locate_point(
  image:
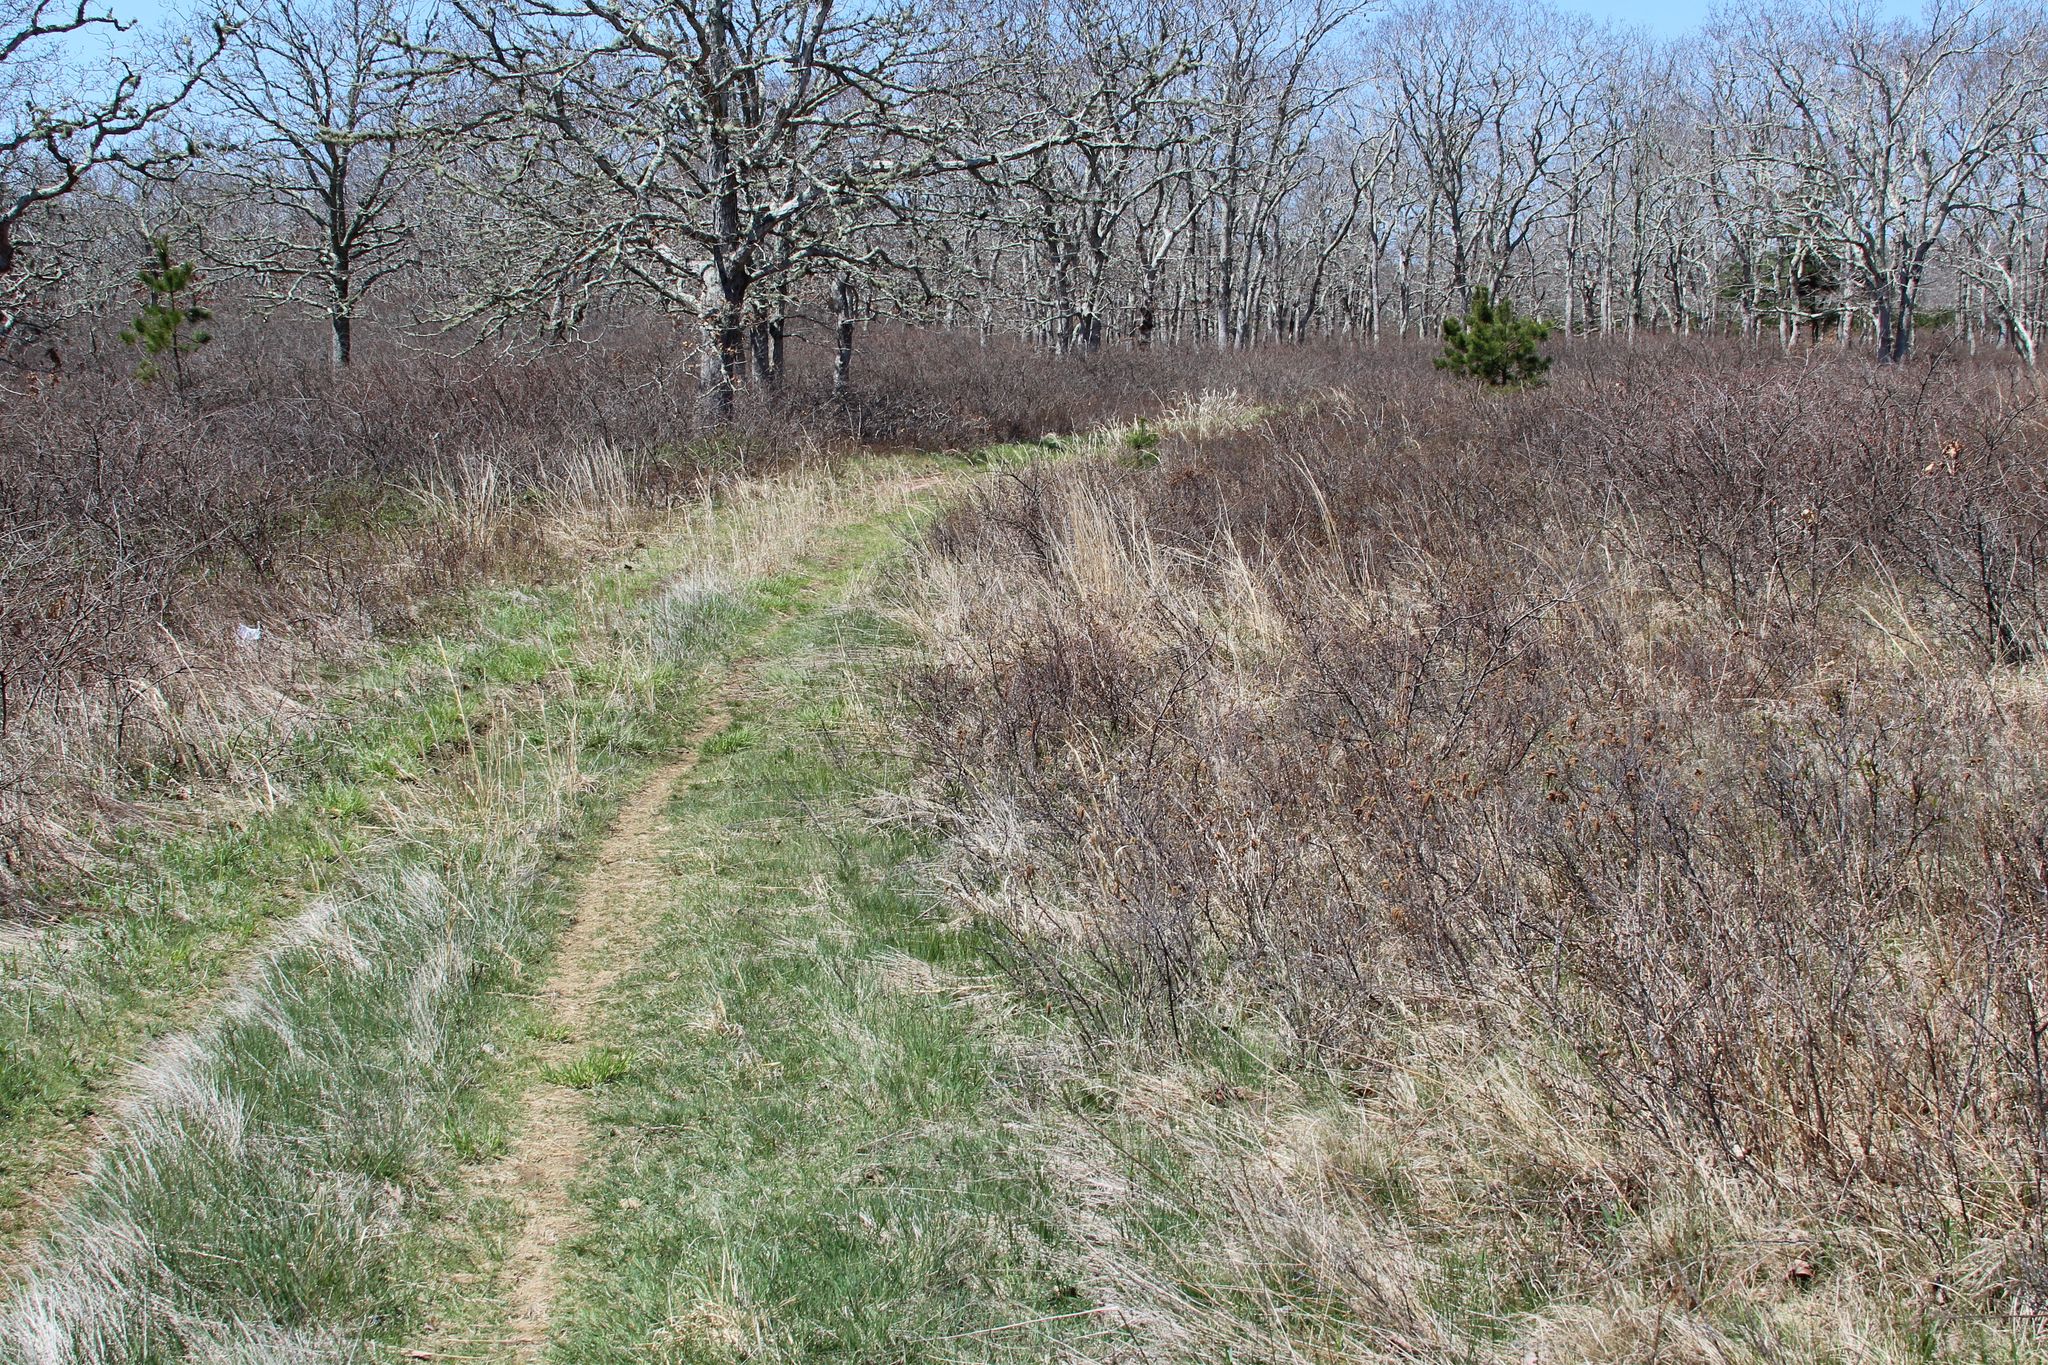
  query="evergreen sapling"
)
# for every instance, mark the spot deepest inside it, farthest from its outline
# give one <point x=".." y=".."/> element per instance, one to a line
<point x="172" y="322"/>
<point x="1492" y="344"/>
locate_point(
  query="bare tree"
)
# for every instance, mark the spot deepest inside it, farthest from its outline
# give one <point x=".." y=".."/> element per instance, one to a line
<point x="57" y="126"/>
<point x="1892" y="129"/>
<point x="321" y="113"/>
<point x="1116" y="73"/>
<point x="1272" y="86"/>
<point x="714" y="154"/>
<point x="2003" y="257"/>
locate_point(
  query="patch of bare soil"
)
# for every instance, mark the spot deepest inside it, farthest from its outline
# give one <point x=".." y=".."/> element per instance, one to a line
<point x="619" y="898"/>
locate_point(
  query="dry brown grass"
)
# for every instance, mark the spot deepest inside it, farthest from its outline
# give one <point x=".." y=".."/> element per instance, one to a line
<point x="140" y="527"/>
<point x="1611" y="817"/>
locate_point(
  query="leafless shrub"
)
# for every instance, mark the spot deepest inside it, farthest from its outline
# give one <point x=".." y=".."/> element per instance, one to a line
<point x="1566" y="720"/>
<point x="140" y="528"/>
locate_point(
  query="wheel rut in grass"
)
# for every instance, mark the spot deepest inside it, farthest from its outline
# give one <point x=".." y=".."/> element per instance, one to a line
<point x="601" y="940"/>
<point x="628" y="670"/>
<point x="250" y="872"/>
<point x="540" y="1264"/>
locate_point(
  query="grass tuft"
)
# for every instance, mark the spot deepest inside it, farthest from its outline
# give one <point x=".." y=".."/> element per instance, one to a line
<point x="588" y="1069"/>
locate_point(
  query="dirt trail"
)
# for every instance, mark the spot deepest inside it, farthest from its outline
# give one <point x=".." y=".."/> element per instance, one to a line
<point x="621" y="898"/>
<point x="599" y="943"/>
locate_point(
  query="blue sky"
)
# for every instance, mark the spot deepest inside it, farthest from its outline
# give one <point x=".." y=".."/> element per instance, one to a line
<point x="1671" y="18"/>
<point x="1667" y="19"/>
<point x="1664" y="18"/>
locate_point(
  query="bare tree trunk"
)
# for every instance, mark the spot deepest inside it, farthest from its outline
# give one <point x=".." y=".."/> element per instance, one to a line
<point x="340" y="322"/>
<point x="721" y="363"/>
<point x="725" y="350"/>
<point x="843" y="303"/>
<point x="761" y="354"/>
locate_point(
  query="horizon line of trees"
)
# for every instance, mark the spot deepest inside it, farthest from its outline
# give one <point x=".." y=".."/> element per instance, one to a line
<point x="1078" y="172"/>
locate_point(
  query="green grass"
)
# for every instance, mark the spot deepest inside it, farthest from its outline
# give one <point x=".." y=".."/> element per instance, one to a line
<point x="270" y="1177"/>
<point x="263" y="1173"/>
<point x="174" y="915"/>
<point x="593" y="1067"/>
<point x="805" y="1161"/>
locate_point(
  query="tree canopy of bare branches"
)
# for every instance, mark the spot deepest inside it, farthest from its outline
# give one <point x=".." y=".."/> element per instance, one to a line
<point x="59" y="125"/>
<point x="1082" y="172"/>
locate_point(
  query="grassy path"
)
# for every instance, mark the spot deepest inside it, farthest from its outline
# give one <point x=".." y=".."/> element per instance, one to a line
<point x="627" y="1030"/>
<point x="602" y="936"/>
<point x="173" y="926"/>
<point x="277" y="1179"/>
<point x="754" y="1117"/>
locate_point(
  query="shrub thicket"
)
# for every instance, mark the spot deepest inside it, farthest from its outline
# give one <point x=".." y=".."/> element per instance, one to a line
<point x="1668" y="742"/>
<point x="141" y="523"/>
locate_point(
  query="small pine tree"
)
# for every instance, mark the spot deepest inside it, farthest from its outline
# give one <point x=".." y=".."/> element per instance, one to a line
<point x="1492" y="344"/>
<point x="171" y="323"/>
<point x="1141" y="446"/>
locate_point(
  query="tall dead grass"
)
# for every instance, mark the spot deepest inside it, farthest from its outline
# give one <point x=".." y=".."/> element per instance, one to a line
<point x="1623" y="802"/>
<point x="145" y="533"/>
